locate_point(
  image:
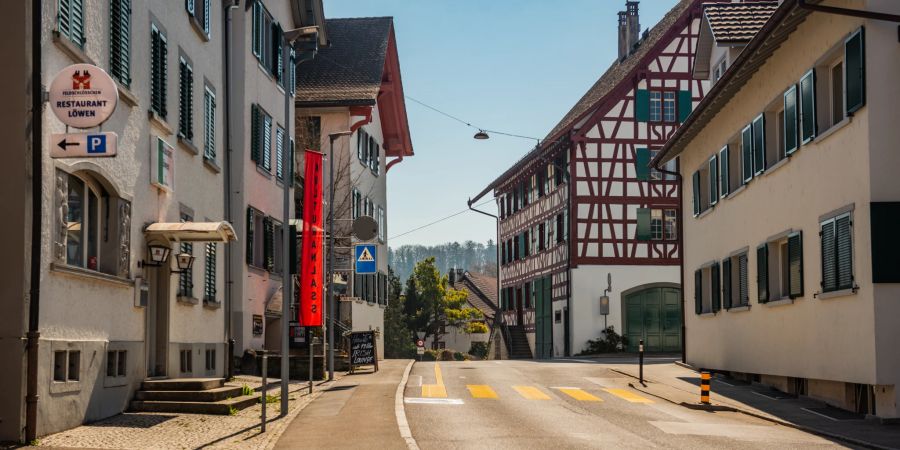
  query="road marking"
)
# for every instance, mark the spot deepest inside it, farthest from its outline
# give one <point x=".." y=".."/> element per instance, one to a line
<point x="434" y="401"/>
<point x="400" y="411"/>
<point x="820" y="414"/>
<point x="436" y="390"/>
<point x="531" y="393"/>
<point x="628" y="395"/>
<point x="579" y="394"/>
<point x="481" y="391"/>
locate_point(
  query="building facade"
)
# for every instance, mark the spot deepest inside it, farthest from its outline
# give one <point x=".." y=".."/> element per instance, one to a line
<point x="789" y="253"/>
<point x="481" y="294"/>
<point x="581" y="216"/>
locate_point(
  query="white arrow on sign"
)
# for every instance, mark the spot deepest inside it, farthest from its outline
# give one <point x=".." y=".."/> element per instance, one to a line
<point x="83" y="145"/>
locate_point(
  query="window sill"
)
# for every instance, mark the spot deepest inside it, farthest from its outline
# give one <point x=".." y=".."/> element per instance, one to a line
<point x="187" y="301"/>
<point x="834" y="128"/>
<point x="112" y="382"/>
<point x="69" y="48"/>
<point x="264" y="172"/>
<point x="211" y="164"/>
<point x="707" y="314"/>
<point x="126" y="95"/>
<point x="186" y="144"/>
<point x="90" y="274"/>
<point x="257" y="269"/>
<point x="275" y="276"/>
<point x="207" y="304"/>
<point x="835" y="294"/>
<point x="777" y="165"/>
<point x="780" y="302"/>
<point x="63" y="387"/>
<point x="160" y="122"/>
<point x="741" y="308"/>
<point x="198" y="27"/>
<point x="737" y="191"/>
<point x="704" y="213"/>
<point x="265" y="70"/>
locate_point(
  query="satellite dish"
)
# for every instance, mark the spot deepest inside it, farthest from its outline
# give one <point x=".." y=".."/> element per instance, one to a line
<point x="365" y="228"/>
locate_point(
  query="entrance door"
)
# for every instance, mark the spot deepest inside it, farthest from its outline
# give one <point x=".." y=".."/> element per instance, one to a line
<point x="654" y="315"/>
<point x="568" y="351"/>
<point x="157" y="322"/>
<point x="520" y="307"/>
<point x="543" y="312"/>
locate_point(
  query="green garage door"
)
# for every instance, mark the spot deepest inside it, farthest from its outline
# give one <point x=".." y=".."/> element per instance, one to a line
<point x="541" y="290"/>
<point x="654" y="315"/>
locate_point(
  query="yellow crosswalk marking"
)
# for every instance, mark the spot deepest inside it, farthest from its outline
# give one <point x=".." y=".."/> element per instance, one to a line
<point x="531" y="393"/>
<point x="628" y="395"/>
<point x="481" y="391"/>
<point x="436" y="390"/>
<point x="579" y="394"/>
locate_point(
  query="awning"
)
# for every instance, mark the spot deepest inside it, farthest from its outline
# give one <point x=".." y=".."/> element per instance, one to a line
<point x="191" y="231"/>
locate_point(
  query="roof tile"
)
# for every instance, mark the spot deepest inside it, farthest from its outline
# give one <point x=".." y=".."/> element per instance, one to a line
<point x="738" y="22"/>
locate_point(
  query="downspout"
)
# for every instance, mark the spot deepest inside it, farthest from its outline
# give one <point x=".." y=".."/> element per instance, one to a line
<point x="499" y="314"/>
<point x="680" y="243"/>
<point x="229" y="276"/>
<point x="34" y="300"/>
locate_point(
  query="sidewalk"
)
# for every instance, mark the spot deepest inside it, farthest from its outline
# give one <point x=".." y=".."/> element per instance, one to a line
<point x="681" y="385"/>
<point x="167" y="430"/>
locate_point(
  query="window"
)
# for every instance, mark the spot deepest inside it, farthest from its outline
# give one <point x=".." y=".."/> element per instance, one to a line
<point x="260" y="240"/>
<point x="713" y="171"/>
<point x="707" y="290"/>
<point x="210" y="359"/>
<point x="656" y="224"/>
<point x="837" y="253"/>
<point x="261" y="138"/>
<point x="362" y="140"/>
<point x="268" y="256"/>
<point x="759" y="144"/>
<point x="279" y="152"/>
<point x="655" y="106"/>
<point x="200" y="11"/>
<point x="789" y="122"/>
<point x="292" y="73"/>
<point x="209" y="124"/>
<point x="747" y="153"/>
<point x="735" y="282"/>
<point x="185" y="361"/>
<point x="120" y="41"/>
<point x="780" y="268"/>
<point x="557" y="316"/>
<point x="60" y="365"/>
<point x="724" y="172"/>
<point x="719" y="70"/>
<point x="186" y="278"/>
<point x="375" y="160"/>
<point x="382" y="232"/>
<point x="158" y="70"/>
<point x="855" y="72"/>
<point x="670" y="224"/>
<point x="116" y="363"/>
<point x="267" y="41"/>
<point x="668" y="106"/>
<point x="356" y="203"/>
<point x="807" y="107"/>
<point x="662" y="106"/>
<point x="277" y="250"/>
<point x="836" y="79"/>
<point x="669" y="166"/>
<point x="209" y="278"/>
<point x="185" y="100"/>
<point x="70" y="20"/>
<point x="370" y="150"/>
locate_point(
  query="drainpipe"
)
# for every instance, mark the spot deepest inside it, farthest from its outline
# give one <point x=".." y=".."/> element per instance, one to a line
<point x="680" y="243"/>
<point x="229" y="276"/>
<point x="499" y="312"/>
<point x="34" y="301"/>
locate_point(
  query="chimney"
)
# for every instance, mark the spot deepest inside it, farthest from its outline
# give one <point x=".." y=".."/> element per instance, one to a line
<point x="623" y="35"/>
<point x="629" y="29"/>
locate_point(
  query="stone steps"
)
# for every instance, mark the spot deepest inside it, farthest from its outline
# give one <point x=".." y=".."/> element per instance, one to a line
<point x="208" y="395"/>
<point x="183" y="384"/>
<point x="221" y="407"/>
<point x="191" y="396"/>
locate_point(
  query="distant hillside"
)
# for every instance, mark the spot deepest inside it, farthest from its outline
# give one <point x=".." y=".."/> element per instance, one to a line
<point x="470" y="255"/>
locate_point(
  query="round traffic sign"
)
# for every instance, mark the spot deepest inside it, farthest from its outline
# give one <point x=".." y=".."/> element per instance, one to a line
<point x="420" y="343"/>
<point x="83" y="96"/>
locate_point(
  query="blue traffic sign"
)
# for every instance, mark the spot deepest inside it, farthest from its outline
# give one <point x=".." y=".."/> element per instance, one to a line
<point x="96" y="143"/>
<point x="366" y="261"/>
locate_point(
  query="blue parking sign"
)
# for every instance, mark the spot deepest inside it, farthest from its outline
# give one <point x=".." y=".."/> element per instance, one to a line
<point x="366" y="261"/>
<point x="96" y="143"/>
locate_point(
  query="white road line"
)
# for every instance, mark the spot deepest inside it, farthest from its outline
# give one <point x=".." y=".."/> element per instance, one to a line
<point x="726" y="384"/>
<point x="563" y="387"/>
<point x="434" y="401"/>
<point x="820" y="414"/>
<point x="400" y="411"/>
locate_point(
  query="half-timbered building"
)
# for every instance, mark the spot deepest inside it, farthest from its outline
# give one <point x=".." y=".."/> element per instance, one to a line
<point x="587" y="231"/>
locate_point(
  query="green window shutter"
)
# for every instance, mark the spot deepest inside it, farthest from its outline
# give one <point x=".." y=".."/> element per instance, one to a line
<point x="523" y="250"/>
<point x="696" y="193"/>
<point x="685" y="105"/>
<point x="120" y="41"/>
<point x="698" y="291"/>
<point x="155" y="70"/>
<point x="724" y="172"/>
<point x="829" y="259"/>
<point x="257" y="29"/>
<point x="759" y="144"/>
<point x="726" y="283"/>
<point x="267" y="142"/>
<point x="190" y="7"/>
<point x="163" y="75"/>
<point x="715" y="293"/>
<point x="855" y="71"/>
<point x="641" y="164"/>
<point x="808" y="107"/>
<point x="76" y="22"/>
<point x="762" y="273"/>
<point x="291" y="161"/>
<point x="713" y="180"/>
<point x="279" y="153"/>
<point x="747" y="153"/>
<point x="642" y="105"/>
<point x="795" y="265"/>
<point x="207" y="12"/>
<point x="277" y="50"/>
<point x="643" y="224"/>
<point x="844" y="251"/>
<point x="269" y="244"/>
<point x="64" y="18"/>
<point x="790" y="121"/>
<point x="185" y="100"/>
<point x="254" y="133"/>
<point x="743" y="281"/>
<point x="209" y="124"/>
<point x="209" y="279"/>
<point x="251" y="221"/>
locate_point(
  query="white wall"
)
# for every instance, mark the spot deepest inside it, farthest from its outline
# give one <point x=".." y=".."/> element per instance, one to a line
<point x="369" y="316"/>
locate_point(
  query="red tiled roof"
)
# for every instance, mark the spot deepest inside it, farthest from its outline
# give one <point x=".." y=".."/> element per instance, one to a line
<point x="738" y="22"/>
<point x="482" y="290"/>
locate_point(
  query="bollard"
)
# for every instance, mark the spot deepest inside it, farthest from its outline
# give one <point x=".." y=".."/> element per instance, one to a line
<point x="641" y="359"/>
<point x="265" y="361"/>
<point x="312" y="346"/>
<point x="704" y="387"/>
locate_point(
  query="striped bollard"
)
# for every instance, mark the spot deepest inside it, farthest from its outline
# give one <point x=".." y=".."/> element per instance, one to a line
<point x="704" y="387"/>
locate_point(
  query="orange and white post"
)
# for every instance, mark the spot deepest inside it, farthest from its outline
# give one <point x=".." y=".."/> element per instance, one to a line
<point x="704" y="387"/>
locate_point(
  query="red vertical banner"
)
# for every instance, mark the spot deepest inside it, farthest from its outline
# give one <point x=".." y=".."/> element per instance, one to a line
<point x="311" y="276"/>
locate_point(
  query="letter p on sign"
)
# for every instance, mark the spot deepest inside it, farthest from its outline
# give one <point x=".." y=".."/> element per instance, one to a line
<point x="96" y="143"/>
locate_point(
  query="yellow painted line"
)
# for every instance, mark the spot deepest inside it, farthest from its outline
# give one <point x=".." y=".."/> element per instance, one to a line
<point x="531" y="393"/>
<point x="436" y="390"/>
<point x="579" y="394"/>
<point x="628" y="395"/>
<point x="481" y="391"/>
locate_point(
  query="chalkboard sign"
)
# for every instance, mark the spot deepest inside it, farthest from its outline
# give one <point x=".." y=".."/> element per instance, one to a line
<point x="363" y="350"/>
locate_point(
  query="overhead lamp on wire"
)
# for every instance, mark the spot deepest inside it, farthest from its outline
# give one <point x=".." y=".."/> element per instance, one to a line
<point x="481" y="135"/>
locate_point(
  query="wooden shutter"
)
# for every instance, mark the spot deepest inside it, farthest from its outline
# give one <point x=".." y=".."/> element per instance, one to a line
<point x="641" y="164"/>
<point x="120" y="40"/>
<point x="726" y="282"/>
<point x="209" y="279"/>
<point x="254" y="133"/>
<point x="696" y="193"/>
<point x="207" y="12"/>
<point x="685" y="105"/>
<point x="844" y="250"/>
<point x="184" y="99"/>
<point x="808" y="106"/>
<point x="698" y="291"/>
<point x="829" y="259"/>
<point x="163" y="75"/>
<point x="855" y="71"/>
<point x="251" y="230"/>
<point x="762" y="273"/>
<point x="279" y="153"/>
<point x="190" y="7"/>
<point x="209" y="124"/>
<point x="790" y="121"/>
<point x="743" y="281"/>
<point x="268" y="244"/>
<point x="713" y="181"/>
<point x="155" y="74"/>
<point x="714" y="294"/>
<point x="642" y="105"/>
<point x="266" y="142"/>
<point x="747" y="153"/>
<point x="795" y="265"/>
<point x="643" y="224"/>
<point x="277" y="67"/>
<point x="759" y="144"/>
<point x="257" y="29"/>
<point x="724" y="173"/>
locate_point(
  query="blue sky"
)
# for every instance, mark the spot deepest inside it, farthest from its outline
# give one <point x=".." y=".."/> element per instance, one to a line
<point x="515" y="66"/>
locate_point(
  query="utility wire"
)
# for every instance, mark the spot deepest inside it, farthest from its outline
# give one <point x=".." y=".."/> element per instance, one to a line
<point x="468" y="124"/>
<point x="440" y="220"/>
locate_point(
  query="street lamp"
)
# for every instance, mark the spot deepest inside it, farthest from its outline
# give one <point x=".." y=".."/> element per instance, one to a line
<point x="331" y="306"/>
<point x="184" y="261"/>
<point x="158" y="254"/>
<point x="481" y="135"/>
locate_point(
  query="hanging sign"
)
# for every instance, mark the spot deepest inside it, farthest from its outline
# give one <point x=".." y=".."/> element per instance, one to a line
<point x="83" y="96"/>
<point x="311" y="277"/>
<point x="162" y="164"/>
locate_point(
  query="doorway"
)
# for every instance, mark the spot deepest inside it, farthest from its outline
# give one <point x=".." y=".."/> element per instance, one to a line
<point x="158" y="322"/>
<point x="654" y="315"/>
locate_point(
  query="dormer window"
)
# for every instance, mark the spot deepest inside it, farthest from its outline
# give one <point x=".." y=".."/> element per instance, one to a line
<point x="719" y="70"/>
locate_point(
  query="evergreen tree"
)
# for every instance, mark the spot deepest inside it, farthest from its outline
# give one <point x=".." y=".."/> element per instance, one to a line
<point x="398" y="339"/>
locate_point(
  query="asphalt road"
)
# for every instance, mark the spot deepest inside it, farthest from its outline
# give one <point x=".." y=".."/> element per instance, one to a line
<point x="567" y="404"/>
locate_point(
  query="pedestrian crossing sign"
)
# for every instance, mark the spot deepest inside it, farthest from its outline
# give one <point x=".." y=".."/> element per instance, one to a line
<point x="366" y="263"/>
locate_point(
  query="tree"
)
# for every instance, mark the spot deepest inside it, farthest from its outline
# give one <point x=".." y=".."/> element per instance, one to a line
<point x="398" y="339"/>
<point x="432" y="305"/>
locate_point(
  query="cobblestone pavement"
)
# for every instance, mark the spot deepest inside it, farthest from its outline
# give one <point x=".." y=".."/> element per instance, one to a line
<point x="183" y="431"/>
